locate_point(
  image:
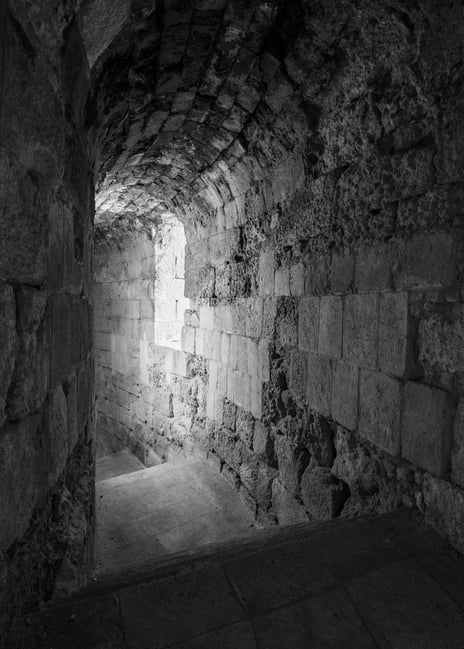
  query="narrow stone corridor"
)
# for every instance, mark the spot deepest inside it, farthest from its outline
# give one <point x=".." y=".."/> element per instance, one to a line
<point x="232" y="285"/>
<point x="148" y="513"/>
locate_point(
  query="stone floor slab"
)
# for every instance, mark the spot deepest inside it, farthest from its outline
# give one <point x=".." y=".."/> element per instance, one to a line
<point x="328" y="621"/>
<point x="280" y="574"/>
<point x="236" y="636"/>
<point x="160" y="614"/>
<point x="356" y="547"/>
<point x="404" y="608"/>
<point x="88" y="624"/>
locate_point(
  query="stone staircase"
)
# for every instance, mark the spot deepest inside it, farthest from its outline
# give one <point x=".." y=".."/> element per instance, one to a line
<point x="148" y="513"/>
<point x="381" y="582"/>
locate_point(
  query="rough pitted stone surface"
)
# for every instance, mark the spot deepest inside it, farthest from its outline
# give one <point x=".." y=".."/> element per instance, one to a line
<point x="46" y="393"/>
<point x="9" y="343"/>
<point x="311" y="153"/>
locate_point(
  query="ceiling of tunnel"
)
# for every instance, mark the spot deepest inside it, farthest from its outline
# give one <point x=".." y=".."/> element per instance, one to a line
<point x="173" y="95"/>
<point x="195" y="101"/>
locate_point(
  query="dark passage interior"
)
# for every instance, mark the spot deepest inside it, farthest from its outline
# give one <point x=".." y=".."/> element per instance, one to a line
<point x="231" y="281"/>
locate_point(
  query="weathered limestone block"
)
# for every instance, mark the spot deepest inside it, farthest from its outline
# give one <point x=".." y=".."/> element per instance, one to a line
<point x="282" y="281"/>
<point x="298" y="375"/>
<point x="176" y="362"/>
<point x="354" y="465"/>
<point x="24" y="482"/>
<point x="441" y="342"/>
<point x="183" y="413"/>
<point x="394" y="344"/>
<point x="244" y="424"/>
<point x="308" y="324"/>
<point x="242" y="353"/>
<point x="374" y="267"/>
<point x="162" y="400"/>
<point x="221" y="383"/>
<point x="315" y="434"/>
<point x="229" y="448"/>
<point x="322" y="493"/>
<point x="258" y="477"/>
<point x="457" y="455"/>
<point x="269" y="316"/>
<point x="57" y="434"/>
<point x="421" y="264"/>
<point x="449" y="159"/>
<point x="445" y="509"/>
<point x="207" y="317"/>
<point x="254" y="317"/>
<point x="72" y="411"/>
<point x="297" y="279"/>
<point x="317" y="276"/>
<point x="224" y="246"/>
<point x="345" y="380"/>
<point x="256" y="397"/>
<point x="61" y="338"/>
<point x="84" y="398"/>
<point x="263" y="444"/>
<point x="264" y="363"/>
<point x="360" y="329"/>
<point x="24" y="225"/>
<point x="292" y="461"/>
<point x="287" y="322"/>
<point x="286" y="507"/>
<point x="266" y="273"/>
<point x="427" y="427"/>
<point x="9" y="344"/>
<point x="330" y="326"/>
<point x="319" y="384"/>
<point x="252" y="357"/>
<point x="379" y="410"/>
<point x="341" y="272"/>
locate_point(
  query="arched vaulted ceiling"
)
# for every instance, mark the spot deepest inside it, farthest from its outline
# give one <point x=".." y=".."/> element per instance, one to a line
<point x="200" y="105"/>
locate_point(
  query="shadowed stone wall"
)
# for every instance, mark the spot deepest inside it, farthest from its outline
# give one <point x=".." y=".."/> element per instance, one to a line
<point x="46" y="196"/>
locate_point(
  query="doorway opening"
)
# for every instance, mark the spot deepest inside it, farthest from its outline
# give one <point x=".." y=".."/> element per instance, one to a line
<point x="156" y="495"/>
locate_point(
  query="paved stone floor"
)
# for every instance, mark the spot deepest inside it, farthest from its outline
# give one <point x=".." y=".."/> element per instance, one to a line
<point x="384" y="583"/>
<point x="149" y="513"/>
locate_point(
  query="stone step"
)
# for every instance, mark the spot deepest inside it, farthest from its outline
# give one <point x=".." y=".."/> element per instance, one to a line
<point x="148" y="514"/>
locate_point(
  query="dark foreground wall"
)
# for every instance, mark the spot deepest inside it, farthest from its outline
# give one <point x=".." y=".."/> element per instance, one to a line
<point x="322" y="366"/>
<point x="46" y="196"/>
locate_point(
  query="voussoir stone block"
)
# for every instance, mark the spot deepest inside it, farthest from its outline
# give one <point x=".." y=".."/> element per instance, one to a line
<point x="379" y="410"/>
<point x="427" y="427"/>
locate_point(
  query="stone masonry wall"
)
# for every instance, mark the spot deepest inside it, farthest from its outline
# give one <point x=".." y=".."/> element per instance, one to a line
<point x="46" y="426"/>
<point x="124" y="331"/>
<point x="328" y="290"/>
<point x="317" y="170"/>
